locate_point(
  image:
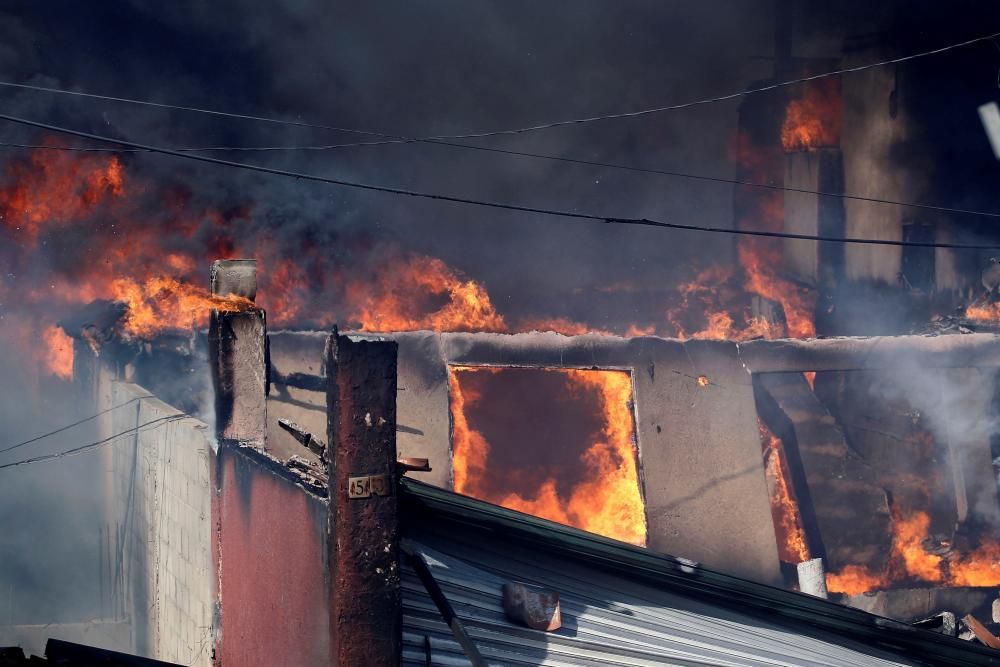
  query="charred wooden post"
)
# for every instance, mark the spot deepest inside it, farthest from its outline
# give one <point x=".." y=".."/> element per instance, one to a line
<point x="236" y="342"/>
<point x="366" y="605"/>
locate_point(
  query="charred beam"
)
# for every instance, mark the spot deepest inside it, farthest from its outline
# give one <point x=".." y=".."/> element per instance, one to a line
<point x="366" y="603"/>
<point x="304" y="437"/>
<point x="299" y="380"/>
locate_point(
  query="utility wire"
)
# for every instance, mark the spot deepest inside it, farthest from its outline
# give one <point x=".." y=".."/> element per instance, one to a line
<point x="69" y="426"/>
<point x="591" y="163"/>
<point x="90" y="446"/>
<point x="479" y="202"/>
<point x="442" y="139"/>
<point x="520" y="130"/>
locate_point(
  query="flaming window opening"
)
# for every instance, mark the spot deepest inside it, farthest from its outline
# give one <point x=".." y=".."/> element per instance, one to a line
<point x="813" y="120"/>
<point x="926" y="543"/>
<point x="556" y="443"/>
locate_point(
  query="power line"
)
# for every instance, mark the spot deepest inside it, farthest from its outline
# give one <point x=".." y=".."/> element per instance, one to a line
<point x="520" y="130"/>
<point x="69" y="426"/>
<point x="591" y="163"/>
<point x="485" y="203"/>
<point x="90" y="446"/>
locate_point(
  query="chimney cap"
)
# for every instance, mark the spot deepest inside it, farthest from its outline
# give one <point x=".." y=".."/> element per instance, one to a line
<point x="235" y="277"/>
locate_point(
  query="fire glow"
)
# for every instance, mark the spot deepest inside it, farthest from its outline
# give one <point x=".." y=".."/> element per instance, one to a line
<point x="590" y="485"/>
<point x="791" y="536"/>
<point x="154" y="267"/>
<point x="911" y="561"/>
<point x="59" y="361"/>
<point x="813" y="120"/>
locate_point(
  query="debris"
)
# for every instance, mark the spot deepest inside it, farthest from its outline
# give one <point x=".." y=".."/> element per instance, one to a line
<point x="944" y="623"/>
<point x="535" y="608"/>
<point x="981" y="632"/>
<point x="310" y="471"/>
<point x="405" y="464"/>
<point x="687" y="565"/>
<point x="304" y="437"/>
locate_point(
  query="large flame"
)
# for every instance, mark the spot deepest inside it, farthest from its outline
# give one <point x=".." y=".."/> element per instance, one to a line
<point x="985" y="312"/>
<point x="56" y="189"/>
<point x="423" y="293"/>
<point x="152" y="259"/>
<point x="608" y="502"/>
<point x="910" y="560"/>
<point x="159" y="303"/>
<point x="813" y="120"/>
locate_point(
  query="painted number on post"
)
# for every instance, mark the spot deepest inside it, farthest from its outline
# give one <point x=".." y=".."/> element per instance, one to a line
<point x="368" y="485"/>
<point x="359" y="487"/>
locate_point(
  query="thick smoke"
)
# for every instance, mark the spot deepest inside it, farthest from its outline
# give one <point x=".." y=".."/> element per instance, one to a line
<point x="400" y="67"/>
<point x="957" y="406"/>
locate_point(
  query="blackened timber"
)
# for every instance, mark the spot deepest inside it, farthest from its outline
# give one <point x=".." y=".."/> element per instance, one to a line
<point x="366" y="603"/>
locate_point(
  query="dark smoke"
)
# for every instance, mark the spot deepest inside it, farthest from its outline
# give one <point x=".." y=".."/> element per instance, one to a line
<point x="416" y="69"/>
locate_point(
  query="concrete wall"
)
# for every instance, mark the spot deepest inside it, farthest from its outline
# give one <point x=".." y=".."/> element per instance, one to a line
<point x="704" y="486"/>
<point x="273" y="571"/>
<point x="162" y="579"/>
<point x="703" y="477"/>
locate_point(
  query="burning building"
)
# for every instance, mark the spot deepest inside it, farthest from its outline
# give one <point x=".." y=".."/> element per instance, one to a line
<point x="738" y="418"/>
<point x="347" y="467"/>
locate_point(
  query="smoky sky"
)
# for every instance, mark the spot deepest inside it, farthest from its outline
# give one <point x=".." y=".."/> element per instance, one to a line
<point x="426" y="68"/>
<point x="431" y="68"/>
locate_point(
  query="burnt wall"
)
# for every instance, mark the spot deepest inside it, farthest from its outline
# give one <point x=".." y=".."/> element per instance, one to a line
<point x="700" y="454"/>
<point x="699" y="450"/>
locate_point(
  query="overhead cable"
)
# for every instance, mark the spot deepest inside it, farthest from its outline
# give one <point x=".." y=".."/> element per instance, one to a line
<point x="92" y="445"/>
<point x="591" y="163"/>
<point x="485" y="203"/>
<point x="69" y="426"/>
<point x="530" y="128"/>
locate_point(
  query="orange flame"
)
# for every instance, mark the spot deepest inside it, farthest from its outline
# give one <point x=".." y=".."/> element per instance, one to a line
<point x="759" y="260"/>
<point x="423" y="293"/>
<point x="54" y="188"/>
<point x="160" y="303"/>
<point x="813" y="121"/>
<point x="791" y="536"/>
<point x="608" y="502"/>
<point x="810" y="377"/>
<point x="59" y="360"/>
<point x="910" y="560"/>
<point x="711" y="294"/>
<point x="980" y="568"/>
<point x="854" y="580"/>
<point x="987" y="313"/>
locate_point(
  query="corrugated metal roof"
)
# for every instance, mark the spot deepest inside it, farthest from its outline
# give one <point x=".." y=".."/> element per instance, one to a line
<point x="625" y="606"/>
<point x="602" y="623"/>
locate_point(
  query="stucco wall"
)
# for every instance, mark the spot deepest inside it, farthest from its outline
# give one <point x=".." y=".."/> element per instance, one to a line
<point x="273" y="579"/>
